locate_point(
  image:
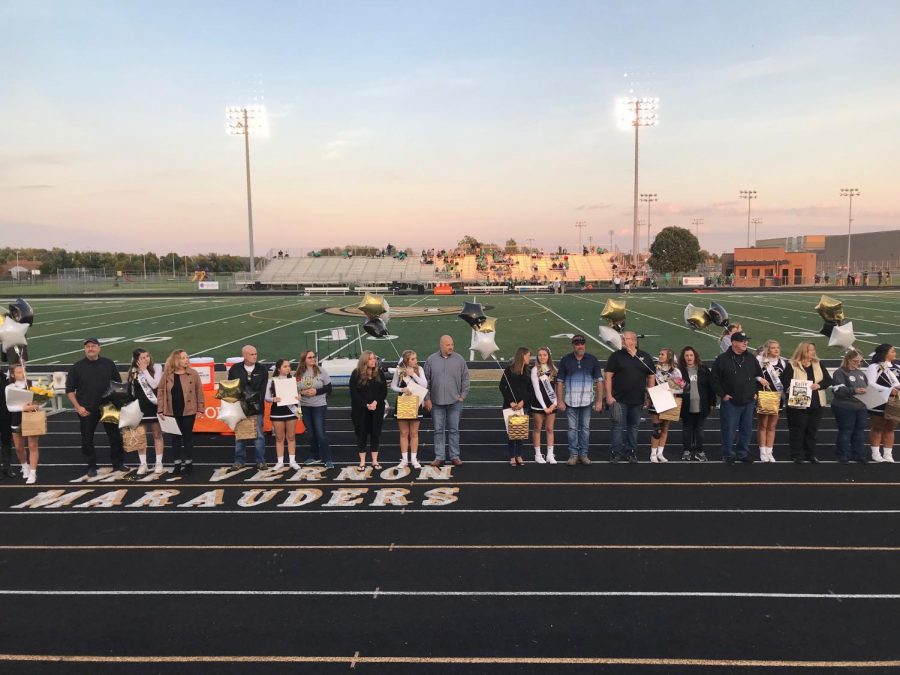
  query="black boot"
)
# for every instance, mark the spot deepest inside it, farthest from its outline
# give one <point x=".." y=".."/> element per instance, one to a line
<point x="7" y="471"/>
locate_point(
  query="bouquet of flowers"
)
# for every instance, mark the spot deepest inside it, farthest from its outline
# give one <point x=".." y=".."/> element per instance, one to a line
<point x="41" y="393"/>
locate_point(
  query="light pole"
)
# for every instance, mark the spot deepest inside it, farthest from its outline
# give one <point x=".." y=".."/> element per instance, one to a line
<point x="648" y="198"/>
<point x="749" y="195"/>
<point x="581" y="224"/>
<point x="637" y="113"/>
<point x="144" y="256"/>
<point x="244" y="121"/>
<point x="612" y="233"/>
<point x="697" y="222"/>
<point x="756" y="223"/>
<point x="849" y="192"/>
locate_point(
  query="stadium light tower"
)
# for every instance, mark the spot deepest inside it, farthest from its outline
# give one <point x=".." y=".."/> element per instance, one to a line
<point x="697" y="222"/>
<point x="756" y="223"/>
<point x="581" y="224"/>
<point x="849" y="192"/>
<point x="648" y="198"/>
<point x="749" y="195"/>
<point x="246" y="121"/>
<point x="637" y="112"/>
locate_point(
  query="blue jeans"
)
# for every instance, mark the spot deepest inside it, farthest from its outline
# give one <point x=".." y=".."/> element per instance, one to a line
<point x="314" y="419"/>
<point x="259" y="443"/>
<point x="624" y="422"/>
<point x="446" y="429"/>
<point x="579" y="418"/>
<point x="514" y="448"/>
<point x="738" y="419"/>
<point x="851" y="435"/>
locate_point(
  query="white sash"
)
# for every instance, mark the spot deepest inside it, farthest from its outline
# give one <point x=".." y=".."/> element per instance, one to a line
<point x="547" y="389"/>
<point x="776" y="380"/>
<point x="145" y="386"/>
<point x="890" y="375"/>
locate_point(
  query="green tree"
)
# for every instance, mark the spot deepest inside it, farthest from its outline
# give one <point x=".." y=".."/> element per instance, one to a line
<point x="675" y="249"/>
<point x="512" y="246"/>
<point x="469" y="244"/>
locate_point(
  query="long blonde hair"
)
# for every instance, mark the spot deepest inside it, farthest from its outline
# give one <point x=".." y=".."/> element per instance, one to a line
<point x="518" y="362"/>
<point x="404" y="360"/>
<point x="550" y="367"/>
<point x="800" y="353"/>
<point x="764" y="350"/>
<point x="362" y="368"/>
<point x="171" y="364"/>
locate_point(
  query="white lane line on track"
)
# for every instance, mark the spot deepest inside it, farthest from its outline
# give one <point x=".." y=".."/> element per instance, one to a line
<point x="448" y="593"/>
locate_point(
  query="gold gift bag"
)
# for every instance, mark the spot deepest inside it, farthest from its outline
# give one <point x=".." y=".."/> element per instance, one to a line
<point x="34" y="423"/>
<point x="134" y="440"/>
<point x="517" y="427"/>
<point x="768" y="402"/>
<point x="673" y="414"/>
<point x="407" y="407"/>
<point x="245" y="430"/>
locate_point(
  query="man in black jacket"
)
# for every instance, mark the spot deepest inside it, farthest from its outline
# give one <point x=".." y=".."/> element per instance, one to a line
<point x="736" y="377"/>
<point x="254" y="378"/>
<point x="86" y="383"/>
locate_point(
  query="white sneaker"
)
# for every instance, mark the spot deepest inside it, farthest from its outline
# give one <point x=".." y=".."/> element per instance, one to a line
<point x="159" y="468"/>
<point x="771" y="455"/>
<point x="279" y="466"/>
<point x="550" y="458"/>
<point x="143" y="470"/>
<point x="889" y="455"/>
<point x="32" y="478"/>
<point x="415" y="462"/>
<point x="403" y="461"/>
<point x="26" y="471"/>
<point x="653" y="455"/>
<point x="876" y="455"/>
<point x="539" y="458"/>
<point x="660" y="457"/>
<point x="294" y="466"/>
<point x="763" y="455"/>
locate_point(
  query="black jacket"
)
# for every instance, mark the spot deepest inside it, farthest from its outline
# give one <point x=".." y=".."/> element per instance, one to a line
<point x="736" y="376"/>
<point x="254" y="384"/>
<point x="4" y="411"/>
<point x="516" y="388"/>
<point x="704" y="387"/>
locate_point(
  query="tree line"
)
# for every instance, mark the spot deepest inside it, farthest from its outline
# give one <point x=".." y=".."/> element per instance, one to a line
<point x="56" y="259"/>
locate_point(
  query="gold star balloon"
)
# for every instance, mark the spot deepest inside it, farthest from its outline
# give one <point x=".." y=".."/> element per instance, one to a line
<point x="613" y="311"/>
<point x="489" y="325"/>
<point x="229" y="390"/>
<point x="696" y="318"/>
<point x="109" y="414"/>
<point x="830" y="309"/>
<point x="373" y="306"/>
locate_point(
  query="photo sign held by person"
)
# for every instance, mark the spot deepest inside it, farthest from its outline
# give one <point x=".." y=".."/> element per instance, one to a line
<point x="800" y="394"/>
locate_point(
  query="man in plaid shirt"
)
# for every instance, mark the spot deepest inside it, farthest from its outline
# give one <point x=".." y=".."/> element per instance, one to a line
<point x="579" y="373"/>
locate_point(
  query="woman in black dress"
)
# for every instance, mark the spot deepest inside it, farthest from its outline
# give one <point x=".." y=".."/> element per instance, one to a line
<point x="368" y="392"/>
<point x="515" y="385"/>
<point x="144" y="377"/>
<point x="803" y="423"/>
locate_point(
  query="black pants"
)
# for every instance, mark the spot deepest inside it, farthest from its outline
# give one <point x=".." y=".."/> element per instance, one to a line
<point x="367" y="426"/>
<point x="183" y="446"/>
<point x="803" y="425"/>
<point x="5" y="441"/>
<point x="88" y="427"/>
<point x="692" y="431"/>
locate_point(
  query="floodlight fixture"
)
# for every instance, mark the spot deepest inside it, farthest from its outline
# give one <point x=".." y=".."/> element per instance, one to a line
<point x="648" y="198"/>
<point x="636" y="112"/>
<point x="851" y="193"/>
<point x="749" y="195"/>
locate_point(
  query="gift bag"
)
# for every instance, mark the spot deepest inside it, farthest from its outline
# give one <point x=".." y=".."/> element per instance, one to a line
<point x="517" y="427"/>
<point x="134" y="440"/>
<point x="672" y="414"/>
<point x="34" y="423"/>
<point x="891" y="410"/>
<point x="407" y="407"/>
<point x="245" y="430"/>
<point x="768" y="402"/>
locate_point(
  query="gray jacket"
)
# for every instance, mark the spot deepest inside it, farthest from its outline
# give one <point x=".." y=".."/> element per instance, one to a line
<point x="843" y="383"/>
<point x="448" y="378"/>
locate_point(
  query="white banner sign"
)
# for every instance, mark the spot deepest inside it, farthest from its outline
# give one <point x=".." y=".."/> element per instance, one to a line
<point x="208" y="285"/>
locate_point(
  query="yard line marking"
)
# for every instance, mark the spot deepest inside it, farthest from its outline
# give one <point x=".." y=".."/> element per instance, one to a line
<point x="358" y="658"/>
<point x="562" y="318"/>
<point x="442" y="547"/>
<point x="448" y="593"/>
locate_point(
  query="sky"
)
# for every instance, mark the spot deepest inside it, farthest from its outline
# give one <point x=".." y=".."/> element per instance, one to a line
<point x="420" y="122"/>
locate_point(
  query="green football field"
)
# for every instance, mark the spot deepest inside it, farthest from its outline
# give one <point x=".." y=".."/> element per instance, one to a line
<point x="280" y="326"/>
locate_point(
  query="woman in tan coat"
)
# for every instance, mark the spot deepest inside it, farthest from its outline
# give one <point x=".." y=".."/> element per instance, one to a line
<point x="180" y="396"/>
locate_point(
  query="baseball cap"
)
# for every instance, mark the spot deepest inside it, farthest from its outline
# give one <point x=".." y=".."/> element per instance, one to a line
<point x="92" y="340"/>
<point x="739" y="337"/>
<point x="578" y="338"/>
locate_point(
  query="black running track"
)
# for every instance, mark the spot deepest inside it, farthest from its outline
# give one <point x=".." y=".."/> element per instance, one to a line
<point x="542" y="569"/>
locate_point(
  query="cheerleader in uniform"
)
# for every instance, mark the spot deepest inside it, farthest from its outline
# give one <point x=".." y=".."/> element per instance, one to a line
<point x="666" y="373"/>
<point x="284" y="417"/>
<point x="28" y="460"/>
<point x="884" y="375"/>
<point x="408" y="370"/>
<point x="543" y="405"/>
<point x="144" y="377"/>
<point x="773" y="366"/>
